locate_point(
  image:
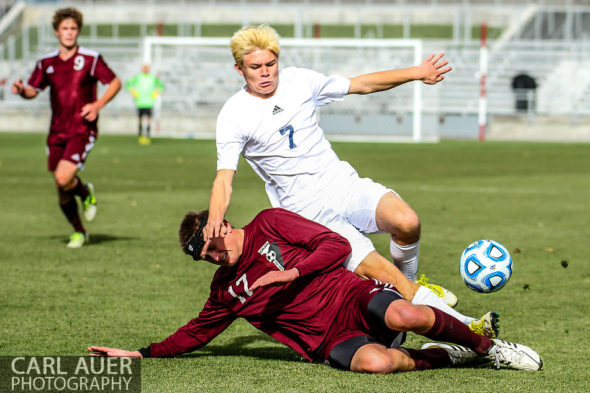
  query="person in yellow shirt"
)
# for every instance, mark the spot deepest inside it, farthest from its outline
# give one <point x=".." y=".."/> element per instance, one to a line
<point x="145" y="88"/>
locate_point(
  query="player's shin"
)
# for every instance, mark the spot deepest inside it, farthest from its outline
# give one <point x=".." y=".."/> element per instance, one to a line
<point x="80" y="189"/>
<point x="426" y="297"/>
<point x="69" y="207"/>
<point x="405" y="258"/>
<point x="429" y="358"/>
<point x="450" y="329"/>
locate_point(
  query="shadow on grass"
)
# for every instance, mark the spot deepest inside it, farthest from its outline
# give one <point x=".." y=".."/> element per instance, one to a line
<point x="240" y="347"/>
<point x="97" y="238"/>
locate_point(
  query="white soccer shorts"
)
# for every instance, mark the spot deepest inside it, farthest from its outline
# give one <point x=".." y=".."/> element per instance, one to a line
<point x="348" y="207"/>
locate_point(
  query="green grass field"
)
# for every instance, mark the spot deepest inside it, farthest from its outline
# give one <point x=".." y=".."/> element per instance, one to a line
<point x="132" y="285"/>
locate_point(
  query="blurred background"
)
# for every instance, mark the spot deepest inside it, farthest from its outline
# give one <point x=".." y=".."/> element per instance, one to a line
<point x="521" y="67"/>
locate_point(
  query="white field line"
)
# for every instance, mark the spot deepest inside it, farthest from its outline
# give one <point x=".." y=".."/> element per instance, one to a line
<point x="427" y="188"/>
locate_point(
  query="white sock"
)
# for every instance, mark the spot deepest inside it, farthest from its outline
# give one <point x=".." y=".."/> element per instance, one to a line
<point x="427" y="297"/>
<point x="405" y="258"/>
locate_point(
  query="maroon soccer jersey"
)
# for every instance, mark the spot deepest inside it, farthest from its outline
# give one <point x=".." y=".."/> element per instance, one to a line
<point x="73" y="85"/>
<point x="310" y="315"/>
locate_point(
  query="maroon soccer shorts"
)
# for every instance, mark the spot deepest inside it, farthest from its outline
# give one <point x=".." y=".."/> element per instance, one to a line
<point x="73" y="148"/>
<point x="362" y="322"/>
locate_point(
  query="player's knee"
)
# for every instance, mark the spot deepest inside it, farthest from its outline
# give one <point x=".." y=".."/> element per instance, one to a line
<point x="63" y="181"/>
<point x="375" y="362"/>
<point x="407" y="318"/>
<point x="398" y="218"/>
<point x="409" y="227"/>
<point x="418" y="320"/>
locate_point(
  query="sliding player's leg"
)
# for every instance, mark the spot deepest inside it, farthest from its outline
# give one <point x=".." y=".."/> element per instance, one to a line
<point x="378" y="267"/>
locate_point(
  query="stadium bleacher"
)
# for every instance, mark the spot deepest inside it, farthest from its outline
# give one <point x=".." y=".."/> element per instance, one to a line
<point x="547" y="42"/>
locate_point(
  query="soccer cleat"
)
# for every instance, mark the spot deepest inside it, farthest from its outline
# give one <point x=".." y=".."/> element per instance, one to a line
<point x="488" y="325"/>
<point x="89" y="204"/>
<point x="458" y="354"/>
<point x="446" y="296"/>
<point x="145" y="140"/>
<point x="515" y="356"/>
<point x="77" y="240"/>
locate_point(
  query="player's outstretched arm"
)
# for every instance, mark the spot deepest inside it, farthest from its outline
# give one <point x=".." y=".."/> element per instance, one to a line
<point x="112" y="352"/>
<point x="275" y="278"/>
<point x="24" y="91"/>
<point x="218" y="204"/>
<point x="90" y="110"/>
<point x="430" y="71"/>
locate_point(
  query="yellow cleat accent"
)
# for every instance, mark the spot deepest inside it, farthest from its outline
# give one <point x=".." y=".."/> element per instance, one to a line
<point x="488" y="325"/>
<point x="89" y="205"/>
<point x="77" y="240"/>
<point x="446" y="296"/>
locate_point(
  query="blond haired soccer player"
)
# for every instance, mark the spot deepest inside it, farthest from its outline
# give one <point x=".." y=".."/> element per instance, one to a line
<point x="72" y="73"/>
<point x="271" y="121"/>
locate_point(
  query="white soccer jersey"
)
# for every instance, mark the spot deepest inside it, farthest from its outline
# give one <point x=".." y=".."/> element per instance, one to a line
<point x="280" y="136"/>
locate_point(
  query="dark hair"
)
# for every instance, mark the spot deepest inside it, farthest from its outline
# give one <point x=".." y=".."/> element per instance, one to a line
<point x="189" y="225"/>
<point x="66" y="13"/>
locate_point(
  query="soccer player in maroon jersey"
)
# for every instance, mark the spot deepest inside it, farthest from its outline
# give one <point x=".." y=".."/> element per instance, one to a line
<point x="72" y="73"/>
<point x="283" y="274"/>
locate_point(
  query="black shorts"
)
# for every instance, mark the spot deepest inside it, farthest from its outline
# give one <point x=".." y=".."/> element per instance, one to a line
<point x="341" y="355"/>
<point x="144" y="112"/>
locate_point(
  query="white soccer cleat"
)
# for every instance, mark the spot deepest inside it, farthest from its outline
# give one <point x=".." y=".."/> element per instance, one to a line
<point x="458" y="354"/>
<point x="445" y="295"/>
<point x="77" y="240"/>
<point x="516" y="356"/>
<point x="89" y="205"/>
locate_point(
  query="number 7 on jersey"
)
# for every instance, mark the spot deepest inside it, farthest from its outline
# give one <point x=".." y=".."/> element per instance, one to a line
<point x="290" y="130"/>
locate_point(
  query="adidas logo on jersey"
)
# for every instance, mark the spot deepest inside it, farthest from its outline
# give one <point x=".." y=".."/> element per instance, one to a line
<point x="277" y="109"/>
<point x="49" y="69"/>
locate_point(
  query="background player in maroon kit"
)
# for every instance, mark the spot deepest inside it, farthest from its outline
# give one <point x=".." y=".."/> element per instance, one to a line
<point x="72" y="72"/>
<point x="283" y="274"/>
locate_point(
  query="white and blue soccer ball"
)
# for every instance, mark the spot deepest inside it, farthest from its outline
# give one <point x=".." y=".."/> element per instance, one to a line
<point x="486" y="266"/>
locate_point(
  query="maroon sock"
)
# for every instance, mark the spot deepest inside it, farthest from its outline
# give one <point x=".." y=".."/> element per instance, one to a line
<point x="450" y="329"/>
<point x="80" y="189"/>
<point x="69" y="207"/>
<point x="426" y="359"/>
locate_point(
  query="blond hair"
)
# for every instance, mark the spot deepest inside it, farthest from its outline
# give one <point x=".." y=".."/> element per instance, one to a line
<point x="251" y="38"/>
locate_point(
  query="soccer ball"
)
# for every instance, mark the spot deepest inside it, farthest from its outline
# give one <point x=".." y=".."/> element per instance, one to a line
<point x="486" y="266"/>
